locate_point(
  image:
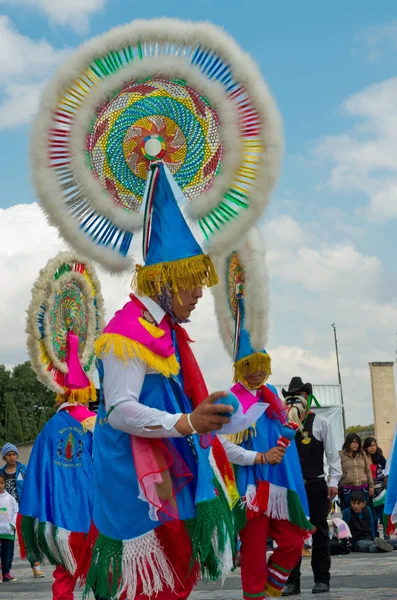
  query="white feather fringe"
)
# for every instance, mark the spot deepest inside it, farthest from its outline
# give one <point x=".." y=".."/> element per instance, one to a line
<point x="252" y="256"/>
<point x="43" y="292"/>
<point x="181" y="35"/>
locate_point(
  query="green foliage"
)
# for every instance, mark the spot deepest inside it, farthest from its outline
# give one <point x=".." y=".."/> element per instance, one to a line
<point x="13" y="423"/>
<point x="25" y="404"/>
<point x="361" y="430"/>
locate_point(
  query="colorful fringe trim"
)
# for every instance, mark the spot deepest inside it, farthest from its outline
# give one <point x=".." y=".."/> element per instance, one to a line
<point x="259" y="361"/>
<point x="78" y="396"/>
<point x="126" y="349"/>
<point x="117" y="567"/>
<point x="276" y="502"/>
<point x="186" y="273"/>
<point x="45" y="541"/>
<point x="212" y="535"/>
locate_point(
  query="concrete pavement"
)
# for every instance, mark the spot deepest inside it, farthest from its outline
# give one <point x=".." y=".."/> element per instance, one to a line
<point x="358" y="576"/>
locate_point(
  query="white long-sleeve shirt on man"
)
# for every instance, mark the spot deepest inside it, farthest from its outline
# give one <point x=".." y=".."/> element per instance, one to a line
<point x="122" y="387"/>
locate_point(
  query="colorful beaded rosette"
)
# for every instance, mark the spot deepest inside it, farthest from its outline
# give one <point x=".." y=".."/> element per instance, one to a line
<point x="66" y="297"/>
<point x="169" y="90"/>
<point x="243" y="278"/>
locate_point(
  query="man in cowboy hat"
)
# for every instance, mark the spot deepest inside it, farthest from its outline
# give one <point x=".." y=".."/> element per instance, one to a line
<point x="314" y="441"/>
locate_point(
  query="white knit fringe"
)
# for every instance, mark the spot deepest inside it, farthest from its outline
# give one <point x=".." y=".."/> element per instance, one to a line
<point x="144" y="559"/>
<point x="277" y="507"/>
<point x="250" y="496"/>
<point x="65" y="551"/>
<point x="225" y="557"/>
<point x="49" y="534"/>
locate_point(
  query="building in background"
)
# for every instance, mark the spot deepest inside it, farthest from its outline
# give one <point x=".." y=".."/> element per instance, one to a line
<point x="384" y="403"/>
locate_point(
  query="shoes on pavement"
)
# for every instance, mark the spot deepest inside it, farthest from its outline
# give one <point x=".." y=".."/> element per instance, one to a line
<point x="291" y="589"/>
<point x="383" y="546"/>
<point x="320" y="588"/>
<point x="9" y="578"/>
<point x="37" y="572"/>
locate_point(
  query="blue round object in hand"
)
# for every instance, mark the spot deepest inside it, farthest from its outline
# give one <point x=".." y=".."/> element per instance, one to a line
<point x="232" y="400"/>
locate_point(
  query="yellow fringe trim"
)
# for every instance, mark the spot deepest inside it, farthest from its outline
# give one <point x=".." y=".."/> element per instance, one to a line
<point x="252" y="363"/>
<point x="126" y="349"/>
<point x="187" y="273"/>
<point x="89" y="424"/>
<point x="242" y="436"/>
<point x="154" y="331"/>
<point x="82" y="396"/>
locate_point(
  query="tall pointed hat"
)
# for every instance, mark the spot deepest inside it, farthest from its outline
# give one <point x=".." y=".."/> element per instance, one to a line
<point x="64" y="319"/>
<point x="241" y="306"/>
<point x="164" y="89"/>
<point x="172" y="255"/>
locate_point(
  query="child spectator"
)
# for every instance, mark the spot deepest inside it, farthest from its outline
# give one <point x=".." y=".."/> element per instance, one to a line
<point x="360" y="520"/>
<point x="8" y="519"/>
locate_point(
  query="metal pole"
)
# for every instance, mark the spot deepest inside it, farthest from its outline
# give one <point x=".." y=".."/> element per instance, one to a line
<point x="340" y="379"/>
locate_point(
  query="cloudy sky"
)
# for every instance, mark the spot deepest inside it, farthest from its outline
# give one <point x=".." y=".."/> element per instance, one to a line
<point x="330" y="229"/>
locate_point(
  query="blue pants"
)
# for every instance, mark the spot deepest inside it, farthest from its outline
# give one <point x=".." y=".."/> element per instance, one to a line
<point x="6" y="551"/>
<point x="370" y="546"/>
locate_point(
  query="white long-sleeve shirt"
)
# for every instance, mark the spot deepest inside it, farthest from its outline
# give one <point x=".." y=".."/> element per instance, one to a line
<point x="8" y="515"/>
<point x="322" y="431"/>
<point x="122" y="385"/>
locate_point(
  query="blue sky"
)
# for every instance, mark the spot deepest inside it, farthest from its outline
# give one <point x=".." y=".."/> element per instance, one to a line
<point x="331" y="252"/>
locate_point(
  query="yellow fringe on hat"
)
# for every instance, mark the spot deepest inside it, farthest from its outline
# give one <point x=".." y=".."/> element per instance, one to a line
<point x="254" y="362"/>
<point x="242" y="436"/>
<point x="187" y="273"/>
<point x="126" y="349"/>
<point x="154" y="331"/>
<point x="80" y="396"/>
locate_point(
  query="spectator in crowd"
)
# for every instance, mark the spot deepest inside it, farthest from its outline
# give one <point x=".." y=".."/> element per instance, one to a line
<point x="14" y="475"/>
<point x="356" y="472"/>
<point x="8" y="519"/>
<point x="315" y="442"/>
<point x="377" y="463"/>
<point x="359" y="518"/>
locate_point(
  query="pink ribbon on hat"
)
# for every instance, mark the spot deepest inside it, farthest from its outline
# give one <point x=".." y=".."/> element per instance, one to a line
<point x="75" y="379"/>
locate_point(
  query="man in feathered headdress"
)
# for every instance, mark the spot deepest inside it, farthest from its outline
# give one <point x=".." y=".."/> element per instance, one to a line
<point x="268" y="478"/>
<point x="154" y="481"/>
<point x="315" y="441"/>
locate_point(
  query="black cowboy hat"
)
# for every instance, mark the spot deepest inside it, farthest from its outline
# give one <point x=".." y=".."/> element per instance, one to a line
<point x="296" y="386"/>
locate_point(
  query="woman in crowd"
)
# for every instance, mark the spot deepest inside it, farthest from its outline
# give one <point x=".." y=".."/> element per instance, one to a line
<point x="377" y="463"/>
<point x="356" y="472"/>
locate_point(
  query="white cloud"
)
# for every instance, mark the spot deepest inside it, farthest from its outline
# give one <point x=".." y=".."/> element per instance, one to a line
<point x="75" y="13"/>
<point x="375" y="41"/>
<point x="362" y="159"/>
<point x="348" y="292"/>
<point x="25" y="64"/>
